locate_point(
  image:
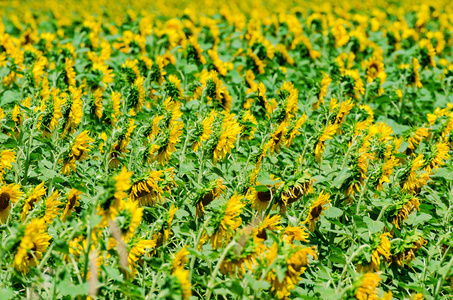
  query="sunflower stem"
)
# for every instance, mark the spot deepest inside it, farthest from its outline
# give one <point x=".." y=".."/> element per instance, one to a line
<point x="217" y="268"/>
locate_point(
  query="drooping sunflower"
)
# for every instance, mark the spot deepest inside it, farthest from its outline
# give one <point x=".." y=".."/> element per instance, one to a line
<point x="405" y="206"/>
<point x="182" y="278"/>
<point x="293" y="259"/>
<point x="6" y="158"/>
<point x="115" y="190"/>
<point x="136" y="97"/>
<point x="214" y="90"/>
<point x="137" y="251"/>
<point x="207" y="194"/>
<point x="128" y="218"/>
<point x="33" y="245"/>
<point x="368" y="288"/>
<point x="173" y="88"/>
<point x="72" y="201"/>
<point x="296" y="187"/>
<point x="327" y="134"/>
<point x="51" y="207"/>
<point x="316" y="210"/>
<point x="439" y="154"/>
<point x="353" y="84"/>
<point x="242" y="256"/>
<point x="32" y="197"/>
<point x="9" y="194"/>
<point x="380" y="247"/>
<point x="227" y="221"/>
<point x="322" y="90"/>
<point x="164" y="233"/>
<point x="203" y="131"/>
<point x="224" y="137"/>
<point x="147" y="190"/>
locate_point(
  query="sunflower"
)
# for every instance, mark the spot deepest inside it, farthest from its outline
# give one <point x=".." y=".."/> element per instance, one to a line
<point x="256" y="64"/>
<point x="76" y="109"/>
<point x="52" y="208"/>
<point x="406" y="206"/>
<point x="242" y="256"/>
<point x="409" y="180"/>
<point x="220" y="66"/>
<point x="277" y="139"/>
<point x="428" y="53"/>
<point x="345" y="108"/>
<point x="260" y="199"/>
<point x="182" y="277"/>
<point x="406" y="248"/>
<point x="116" y="106"/>
<point x="414" y="77"/>
<point x="416" y="137"/>
<point x="203" y="130"/>
<point x="208" y="194"/>
<point x="214" y="90"/>
<point x="353" y="84"/>
<point x="72" y="201"/>
<point x="223" y="141"/>
<point x="325" y="82"/>
<point x="9" y="194"/>
<point x="128" y="218"/>
<point x="375" y="69"/>
<point x="97" y="103"/>
<point x="70" y="73"/>
<point x="291" y="233"/>
<point x="169" y="140"/>
<point x="294" y="189"/>
<point x="157" y="70"/>
<point x="327" y="134"/>
<point x="78" y="152"/>
<point x="368" y="288"/>
<point x="6" y="158"/>
<point x="115" y="191"/>
<point x="34" y="196"/>
<point x="162" y="236"/>
<point x="268" y="223"/>
<point x="193" y="50"/>
<point x="293" y="259"/>
<point x="249" y="125"/>
<point x="173" y="88"/>
<point x="228" y="220"/>
<point x="32" y="246"/>
<point x="147" y="191"/>
<point x="381" y="247"/>
<point x="316" y="210"/>
<point x="293" y="130"/>
<point x="137" y="251"/>
<point x="136" y="96"/>
<point x="385" y="172"/>
<point x="439" y="154"/>
<point x="180" y="258"/>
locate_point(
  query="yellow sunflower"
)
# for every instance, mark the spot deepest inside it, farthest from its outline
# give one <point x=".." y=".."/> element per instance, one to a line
<point x="33" y="245"/>
<point x="72" y="201"/>
<point x="316" y="210"/>
<point x="230" y="220"/>
<point x="9" y="194"/>
<point x="34" y="196"/>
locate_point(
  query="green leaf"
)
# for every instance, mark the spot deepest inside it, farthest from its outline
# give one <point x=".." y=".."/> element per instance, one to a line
<point x="333" y="212"/>
<point x="8" y="97"/>
<point x="341" y="177"/>
<point x="373" y="226"/>
<point x="7" y="294"/>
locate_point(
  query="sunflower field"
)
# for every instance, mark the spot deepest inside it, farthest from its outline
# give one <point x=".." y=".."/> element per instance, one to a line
<point x="226" y="150"/>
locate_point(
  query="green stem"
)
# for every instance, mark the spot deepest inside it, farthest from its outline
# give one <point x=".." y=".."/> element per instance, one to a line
<point x="217" y="268"/>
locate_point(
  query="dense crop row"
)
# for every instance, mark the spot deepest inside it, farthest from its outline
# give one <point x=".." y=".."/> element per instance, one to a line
<point x="252" y="151"/>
